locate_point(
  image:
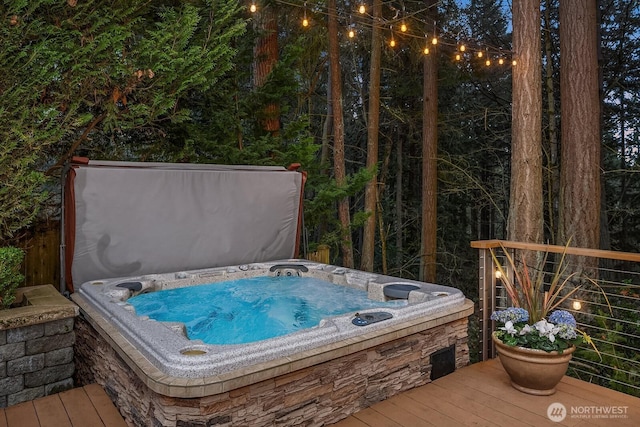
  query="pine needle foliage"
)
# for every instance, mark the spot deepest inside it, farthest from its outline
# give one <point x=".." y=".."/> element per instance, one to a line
<point x="74" y="72"/>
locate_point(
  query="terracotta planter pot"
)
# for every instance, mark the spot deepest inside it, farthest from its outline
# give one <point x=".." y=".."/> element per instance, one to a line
<point x="533" y="371"/>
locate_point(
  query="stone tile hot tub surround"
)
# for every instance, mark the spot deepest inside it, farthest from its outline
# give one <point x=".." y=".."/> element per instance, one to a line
<point x="312" y="385"/>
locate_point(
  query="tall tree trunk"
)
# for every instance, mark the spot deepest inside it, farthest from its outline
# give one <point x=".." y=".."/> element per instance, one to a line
<point x="338" y="135"/>
<point x="553" y="176"/>
<point x="399" y="216"/>
<point x="371" y="189"/>
<point x="382" y="229"/>
<point x="326" y="132"/>
<point x="429" y="237"/>
<point x="580" y="150"/>
<point x="525" y="202"/>
<point x="265" y="54"/>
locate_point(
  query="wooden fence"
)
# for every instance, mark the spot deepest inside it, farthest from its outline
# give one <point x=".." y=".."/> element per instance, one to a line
<point x="41" y="264"/>
<point x="321" y="255"/>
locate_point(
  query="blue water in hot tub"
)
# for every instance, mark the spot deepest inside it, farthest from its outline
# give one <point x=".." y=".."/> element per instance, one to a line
<point x="253" y="309"/>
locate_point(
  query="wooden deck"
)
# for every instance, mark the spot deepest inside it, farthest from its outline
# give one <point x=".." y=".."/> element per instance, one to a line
<point x="481" y="395"/>
<point x="478" y="395"/>
<point x="87" y="406"/>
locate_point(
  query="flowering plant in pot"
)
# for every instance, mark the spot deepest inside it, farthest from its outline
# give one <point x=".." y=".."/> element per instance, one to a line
<point x="556" y="333"/>
<point x="536" y="338"/>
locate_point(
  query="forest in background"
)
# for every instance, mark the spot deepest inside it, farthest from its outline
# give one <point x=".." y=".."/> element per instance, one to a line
<point x="175" y="81"/>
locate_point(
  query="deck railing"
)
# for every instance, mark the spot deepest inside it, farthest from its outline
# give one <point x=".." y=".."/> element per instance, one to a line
<point x="607" y="308"/>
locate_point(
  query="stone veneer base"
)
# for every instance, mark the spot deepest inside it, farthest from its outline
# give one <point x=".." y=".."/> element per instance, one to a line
<point x="36" y="345"/>
<point x="318" y="394"/>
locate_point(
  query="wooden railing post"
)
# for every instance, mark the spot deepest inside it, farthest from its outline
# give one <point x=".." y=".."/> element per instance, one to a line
<point x="487" y="302"/>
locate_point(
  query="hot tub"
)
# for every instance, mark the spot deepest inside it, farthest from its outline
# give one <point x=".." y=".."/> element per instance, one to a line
<point x="169" y="364"/>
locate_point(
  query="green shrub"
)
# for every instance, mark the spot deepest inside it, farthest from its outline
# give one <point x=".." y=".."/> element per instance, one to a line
<point x="10" y="277"/>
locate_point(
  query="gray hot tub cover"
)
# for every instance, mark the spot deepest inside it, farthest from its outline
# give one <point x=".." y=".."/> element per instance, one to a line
<point x="126" y="218"/>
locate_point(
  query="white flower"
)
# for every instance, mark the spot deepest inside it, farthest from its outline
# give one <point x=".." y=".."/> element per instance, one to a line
<point x="526" y="330"/>
<point x="508" y="328"/>
<point x="546" y="329"/>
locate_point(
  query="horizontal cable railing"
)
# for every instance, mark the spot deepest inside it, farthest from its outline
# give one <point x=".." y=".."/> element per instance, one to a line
<point x="606" y="306"/>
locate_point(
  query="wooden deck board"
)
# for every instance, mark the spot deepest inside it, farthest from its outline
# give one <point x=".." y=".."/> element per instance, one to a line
<point x="87" y="406"/>
<point x="107" y="412"/>
<point x="428" y="415"/>
<point x="373" y="418"/>
<point x="80" y="409"/>
<point x="400" y="415"/>
<point x="481" y="394"/>
<point x="22" y="415"/>
<point x="473" y="392"/>
<point x="51" y="412"/>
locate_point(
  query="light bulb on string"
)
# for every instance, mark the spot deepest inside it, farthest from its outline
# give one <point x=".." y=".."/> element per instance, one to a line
<point x="514" y="62"/>
<point x="403" y="27"/>
<point x="253" y="8"/>
<point x="352" y="32"/>
<point x="426" y="51"/>
<point x="462" y="48"/>
<point x="458" y="57"/>
<point x="305" y="21"/>
<point x="480" y="54"/>
<point x="500" y="61"/>
<point x="392" y="42"/>
<point x="487" y="62"/>
<point x="362" y="9"/>
<point x="434" y="40"/>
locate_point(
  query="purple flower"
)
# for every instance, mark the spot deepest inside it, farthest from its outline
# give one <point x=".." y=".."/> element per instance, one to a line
<point x="562" y="317"/>
<point x="566" y="332"/>
<point x="511" y="314"/>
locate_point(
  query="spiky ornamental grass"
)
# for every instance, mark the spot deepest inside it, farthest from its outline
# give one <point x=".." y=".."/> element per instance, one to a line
<point x="534" y="320"/>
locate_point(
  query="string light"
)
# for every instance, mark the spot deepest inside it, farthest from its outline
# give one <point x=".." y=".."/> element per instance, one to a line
<point x="487" y="54"/>
<point x="434" y="40"/>
<point x="426" y="45"/>
<point x="305" y="21"/>
<point x="461" y="48"/>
